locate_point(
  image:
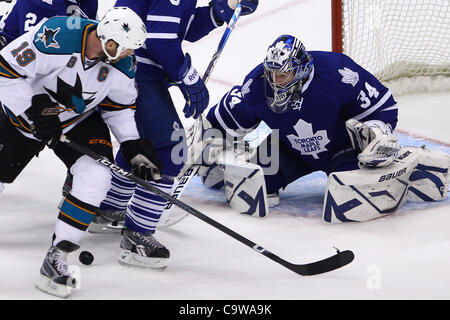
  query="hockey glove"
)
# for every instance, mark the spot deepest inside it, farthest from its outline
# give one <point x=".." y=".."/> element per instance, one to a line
<point x="46" y="125"/>
<point x="194" y="90"/>
<point x="143" y="159"/>
<point x="223" y="9"/>
<point x="374" y="139"/>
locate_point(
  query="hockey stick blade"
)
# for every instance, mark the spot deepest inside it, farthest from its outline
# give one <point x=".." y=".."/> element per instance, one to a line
<point x="334" y="262"/>
<point x="340" y="259"/>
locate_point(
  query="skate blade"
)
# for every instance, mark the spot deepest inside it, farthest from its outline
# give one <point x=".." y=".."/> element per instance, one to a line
<point x="128" y="258"/>
<point x="46" y="285"/>
<point x="105" y="228"/>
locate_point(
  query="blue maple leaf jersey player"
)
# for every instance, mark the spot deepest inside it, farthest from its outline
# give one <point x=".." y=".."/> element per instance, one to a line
<point x="311" y="101"/>
<point x="327" y="114"/>
<point x="162" y="63"/>
<point x="27" y="13"/>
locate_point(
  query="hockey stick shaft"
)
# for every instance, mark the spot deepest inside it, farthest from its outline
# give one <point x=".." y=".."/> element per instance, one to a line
<point x="338" y="260"/>
<point x="192" y="171"/>
<point x="230" y="26"/>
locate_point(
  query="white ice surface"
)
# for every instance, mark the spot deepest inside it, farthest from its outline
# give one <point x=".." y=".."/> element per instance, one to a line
<point x="402" y="256"/>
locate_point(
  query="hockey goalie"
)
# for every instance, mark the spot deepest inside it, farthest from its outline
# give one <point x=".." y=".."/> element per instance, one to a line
<point x="326" y="113"/>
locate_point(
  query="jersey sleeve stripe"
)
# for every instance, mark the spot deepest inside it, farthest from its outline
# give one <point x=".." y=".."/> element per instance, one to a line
<point x="394" y="107"/>
<point x="109" y="105"/>
<point x="163" y="19"/>
<point x="69" y="122"/>
<point x="226" y="116"/>
<point x="7" y="71"/>
<point x="227" y="109"/>
<point x="223" y="124"/>
<point x="148" y="61"/>
<point x="152" y="35"/>
<point x="18" y="122"/>
<point x="377" y="106"/>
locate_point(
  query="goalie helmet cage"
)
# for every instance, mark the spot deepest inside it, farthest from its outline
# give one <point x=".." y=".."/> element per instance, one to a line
<point x="404" y="43"/>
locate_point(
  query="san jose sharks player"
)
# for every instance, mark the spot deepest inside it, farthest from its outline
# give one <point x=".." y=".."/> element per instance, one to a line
<point x="27" y="13"/>
<point x="52" y="80"/>
<point x="162" y="63"/>
<point x="327" y="114"/>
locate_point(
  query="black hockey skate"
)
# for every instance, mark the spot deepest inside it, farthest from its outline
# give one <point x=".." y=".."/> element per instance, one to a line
<point x="142" y="250"/>
<point x="55" y="278"/>
<point x="108" y="221"/>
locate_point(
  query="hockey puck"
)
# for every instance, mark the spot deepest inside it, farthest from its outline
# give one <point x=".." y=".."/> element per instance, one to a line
<point x="86" y="257"/>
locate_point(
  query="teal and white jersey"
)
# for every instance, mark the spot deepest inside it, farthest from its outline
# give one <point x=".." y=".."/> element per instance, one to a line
<point x="51" y="59"/>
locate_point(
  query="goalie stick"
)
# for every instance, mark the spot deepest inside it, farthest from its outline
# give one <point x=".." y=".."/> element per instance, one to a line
<point x="340" y="259"/>
<point x="168" y="219"/>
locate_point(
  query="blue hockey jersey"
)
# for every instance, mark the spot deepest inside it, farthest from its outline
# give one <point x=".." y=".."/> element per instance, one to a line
<point x="27" y="13"/>
<point x="338" y="89"/>
<point x="168" y="24"/>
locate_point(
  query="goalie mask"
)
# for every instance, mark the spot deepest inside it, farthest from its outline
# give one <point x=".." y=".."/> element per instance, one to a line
<point x="125" y="27"/>
<point x="286" y="67"/>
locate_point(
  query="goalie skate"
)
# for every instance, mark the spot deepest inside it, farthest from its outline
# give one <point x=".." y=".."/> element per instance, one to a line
<point x="107" y="222"/>
<point x="55" y="278"/>
<point x="142" y="250"/>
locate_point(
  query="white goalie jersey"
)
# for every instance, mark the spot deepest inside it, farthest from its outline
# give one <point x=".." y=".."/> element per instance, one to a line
<point x="51" y="59"/>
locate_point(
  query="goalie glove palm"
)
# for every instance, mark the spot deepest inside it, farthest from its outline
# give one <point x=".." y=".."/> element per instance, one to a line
<point x="377" y="144"/>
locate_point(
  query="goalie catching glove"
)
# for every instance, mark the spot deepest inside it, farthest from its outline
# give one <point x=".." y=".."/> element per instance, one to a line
<point x="143" y="159"/>
<point x="374" y="139"/>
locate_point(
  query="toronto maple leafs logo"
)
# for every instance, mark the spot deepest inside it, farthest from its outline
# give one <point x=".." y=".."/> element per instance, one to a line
<point x="349" y="76"/>
<point x="308" y="142"/>
<point x="48" y="37"/>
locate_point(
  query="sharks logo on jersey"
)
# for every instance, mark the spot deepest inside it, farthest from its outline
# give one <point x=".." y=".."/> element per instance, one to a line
<point x="48" y="37"/>
<point x="308" y="142"/>
<point x="71" y="96"/>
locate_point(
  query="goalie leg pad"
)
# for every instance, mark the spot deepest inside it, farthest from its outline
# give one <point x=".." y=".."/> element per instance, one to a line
<point x="367" y="193"/>
<point x="418" y="174"/>
<point x="245" y="188"/>
<point x="430" y="178"/>
<point x="213" y="177"/>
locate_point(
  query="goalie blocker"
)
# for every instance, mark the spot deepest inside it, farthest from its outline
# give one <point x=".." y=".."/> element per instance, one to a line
<point x="417" y="174"/>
